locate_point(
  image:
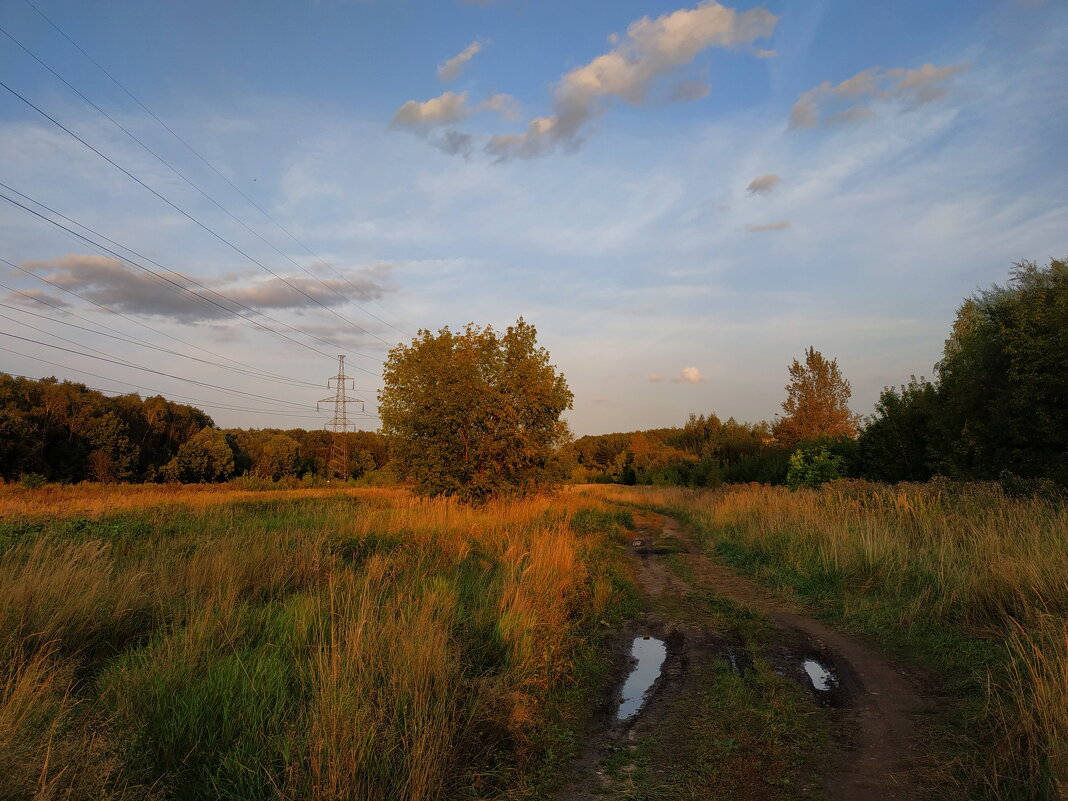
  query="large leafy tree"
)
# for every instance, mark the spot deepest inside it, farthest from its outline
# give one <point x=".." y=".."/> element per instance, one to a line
<point x="817" y="402"/>
<point x="1003" y="380"/>
<point x="475" y="413"/>
<point x="895" y="444"/>
<point x="206" y="457"/>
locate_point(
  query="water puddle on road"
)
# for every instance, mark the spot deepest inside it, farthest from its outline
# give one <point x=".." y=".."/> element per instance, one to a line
<point x="822" y="679"/>
<point x="648" y="654"/>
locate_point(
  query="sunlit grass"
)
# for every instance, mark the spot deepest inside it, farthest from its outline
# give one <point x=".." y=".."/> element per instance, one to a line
<point x="359" y="644"/>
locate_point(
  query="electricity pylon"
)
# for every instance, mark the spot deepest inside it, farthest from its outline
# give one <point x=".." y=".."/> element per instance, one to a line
<point x="340" y="425"/>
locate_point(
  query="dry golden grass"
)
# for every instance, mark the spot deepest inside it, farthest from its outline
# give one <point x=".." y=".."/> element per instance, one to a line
<point x="311" y="644"/>
<point x="93" y="500"/>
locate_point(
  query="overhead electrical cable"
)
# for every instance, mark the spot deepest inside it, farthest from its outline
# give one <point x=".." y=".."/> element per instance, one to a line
<point x="254" y="371"/>
<point x="212" y="167"/>
<point x="184" y="277"/>
<point x="131" y="365"/>
<point x="130" y="341"/>
<point x="195" y="186"/>
<point x="230" y="311"/>
<point x="147" y="389"/>
<point x="184" y="213"/>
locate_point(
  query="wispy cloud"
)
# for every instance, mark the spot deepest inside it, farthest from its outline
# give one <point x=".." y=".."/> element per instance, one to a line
<point x="763" y="184"/>
<point x="450" y="69"/>
<point x="449" y="108"/>
<point x="35" y="298"/>
<point x="782" y="225"/>
<point x="650" y="50"/>
<point x="110" y="282"/>
<point x="845" y="102"/>
<point x="445" y="109"/>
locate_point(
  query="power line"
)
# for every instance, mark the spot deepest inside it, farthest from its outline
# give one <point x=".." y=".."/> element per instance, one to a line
<point x="148" y="389"/>
<point x="125" y="339"/>
<point x="195" y="186"/>
<point x="184" y="213"/>
<point x="151" y="370"/>
<point x="175" y="284"/>
<point x="253" y="370"/>
<point x="211" y="166"/>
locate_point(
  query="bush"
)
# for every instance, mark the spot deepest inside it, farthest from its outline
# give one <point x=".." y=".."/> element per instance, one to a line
<point x="32" y="481"/>
<point x="813" y="468"/>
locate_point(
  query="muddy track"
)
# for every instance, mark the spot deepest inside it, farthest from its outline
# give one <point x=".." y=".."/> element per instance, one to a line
<point x="872" y="704"/>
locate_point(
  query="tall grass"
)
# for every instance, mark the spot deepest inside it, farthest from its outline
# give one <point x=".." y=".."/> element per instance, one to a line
<point x="972" y="580"/>
<point x="358" y="644"/>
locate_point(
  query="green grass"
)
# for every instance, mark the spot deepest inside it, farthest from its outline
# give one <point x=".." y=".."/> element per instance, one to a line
<point x="742" y="737"/>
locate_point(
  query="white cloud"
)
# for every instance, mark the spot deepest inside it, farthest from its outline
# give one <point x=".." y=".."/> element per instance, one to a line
<point x="449" y="108"/>
<point x="445" y="109"/>
<point x="763" y="184"/>
<point x="656" y="378"/>
<point x="450" y="69"/>
<point x="909" y="87"/>
<point x="782" y="225"/>
<point x="651" y="49"/>
<point x="505" y="105"/>
<point x="689" y="375"/>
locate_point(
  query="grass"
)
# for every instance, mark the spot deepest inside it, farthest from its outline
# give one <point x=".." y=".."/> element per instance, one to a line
<point x="961" y="578"/>
<point x="317" y="644"/>
<point x="742" y="737"/>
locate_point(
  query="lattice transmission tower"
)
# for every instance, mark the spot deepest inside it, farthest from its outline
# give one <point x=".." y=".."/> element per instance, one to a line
<point x="340" y="425"/>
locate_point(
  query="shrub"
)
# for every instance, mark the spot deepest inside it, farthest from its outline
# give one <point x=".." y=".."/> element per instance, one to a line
<point x="32" y="481"/>
<point x="813" y="468"/>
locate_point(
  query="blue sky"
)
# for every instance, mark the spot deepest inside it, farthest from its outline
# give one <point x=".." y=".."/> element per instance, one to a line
<point x="681" y="197"/>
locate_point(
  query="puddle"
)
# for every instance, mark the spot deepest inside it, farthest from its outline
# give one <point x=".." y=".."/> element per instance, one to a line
<point x="738" y="660"/>
<point x="649" y="654"/>
<point x="822" y="679"/>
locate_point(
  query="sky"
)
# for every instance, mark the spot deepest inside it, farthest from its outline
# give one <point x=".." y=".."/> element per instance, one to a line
<point x="681" y="197"/>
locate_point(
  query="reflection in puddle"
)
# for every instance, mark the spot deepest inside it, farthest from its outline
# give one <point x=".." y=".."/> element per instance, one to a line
<point x="649" y="654"/>
<point x="822" y="679"/>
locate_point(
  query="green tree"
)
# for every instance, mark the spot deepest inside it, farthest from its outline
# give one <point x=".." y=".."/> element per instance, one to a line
<point x="895" y="444"/>
<point x="817" y="402"/>
<point x="113" y="456"/>
<point x="277" y="457"/>
<point x="1003" y="380"/>
<point x="207" y="457"/>
<point x="475" y="414"/>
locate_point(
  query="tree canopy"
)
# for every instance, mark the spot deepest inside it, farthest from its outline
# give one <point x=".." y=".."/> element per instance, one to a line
<point x="475" y="413"/>
<point x="817" y="402"/>
<point x="1003" y="380"/>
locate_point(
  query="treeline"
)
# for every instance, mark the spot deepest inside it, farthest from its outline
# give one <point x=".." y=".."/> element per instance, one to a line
<point x="62" y="431"/>
<point x="996" y="409"/>
<point x="706" y="452"/>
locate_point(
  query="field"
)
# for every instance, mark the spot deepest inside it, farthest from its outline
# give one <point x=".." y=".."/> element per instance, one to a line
<point x="211" y="644"/>
<point x="971" y="584"/>
<point x="220" y="643"/>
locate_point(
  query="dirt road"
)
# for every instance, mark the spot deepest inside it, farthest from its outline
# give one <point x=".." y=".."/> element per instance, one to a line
<point x="754" y="700"/>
